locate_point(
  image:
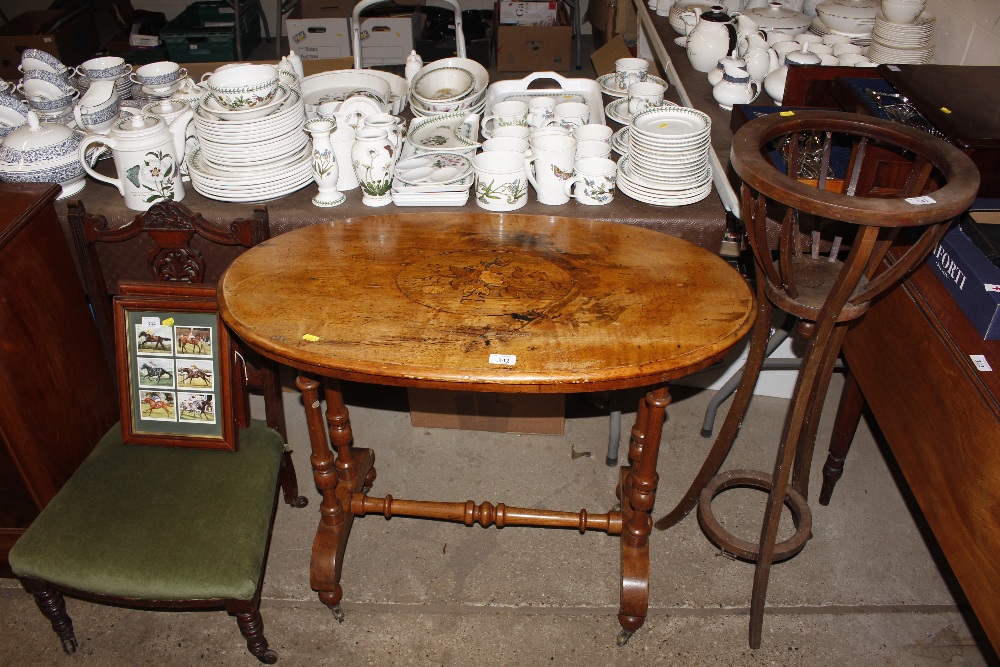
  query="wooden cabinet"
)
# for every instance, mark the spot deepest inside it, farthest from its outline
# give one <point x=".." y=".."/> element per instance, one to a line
<point x="57" y="396"/>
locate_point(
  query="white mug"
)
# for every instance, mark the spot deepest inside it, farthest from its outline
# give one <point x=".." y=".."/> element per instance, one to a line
<point x="629" y="71"/>
<point x="500" y="180"/>
<point x="505" y="114"/>
<point x="593" y="132"/>
<point x="570" y="115"/>
<point x="592" y="148"/>
<point x="593" y="182"/>
<point x="515" y="144"/>
<point x="511" y="132"/>
<point x="540" y="110"/>
<point x="550" y="165"/>
<point x="644" y="94"/>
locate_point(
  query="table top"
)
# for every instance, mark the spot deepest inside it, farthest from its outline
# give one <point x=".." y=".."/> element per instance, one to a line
<point x="425" y="299"/>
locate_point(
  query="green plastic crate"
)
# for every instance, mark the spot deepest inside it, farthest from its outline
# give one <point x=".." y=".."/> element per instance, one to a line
<point x="204" y="32"/>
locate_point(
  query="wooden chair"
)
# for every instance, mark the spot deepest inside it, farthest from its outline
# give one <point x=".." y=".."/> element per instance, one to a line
<point x="830" y="262"/>
<point x="171" y="527"/>
<point x="183" y="243"/>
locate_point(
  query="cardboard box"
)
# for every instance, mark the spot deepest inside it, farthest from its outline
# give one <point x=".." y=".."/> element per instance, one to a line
<point x="70" y="36"/>
<point x="528" y="48"/>
<point x="319" y="39"/>
<point x="603" y="59"/>
<point x="323" y="9"/>
<point x="388" y="40"/>
<point x="485" y="411"/>
<point x="528" y="13"/>
<point x="972" y="280"/>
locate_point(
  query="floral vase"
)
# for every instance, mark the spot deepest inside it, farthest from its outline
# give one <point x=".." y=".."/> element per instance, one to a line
<point x="324" y="163"/>
<point x="373" y="157"/>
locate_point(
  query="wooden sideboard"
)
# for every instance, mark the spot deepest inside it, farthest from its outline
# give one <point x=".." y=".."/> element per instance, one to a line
<point x="57" y="397"/>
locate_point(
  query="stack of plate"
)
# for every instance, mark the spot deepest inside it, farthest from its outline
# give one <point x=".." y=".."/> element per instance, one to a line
<point x="667" y="161"/>
<point x="251" y="155"/>
<point x="434" y="179"/>
<point x="862" y="38"/>
<point x="899" y="43"/>
<point x="471" y="101"/>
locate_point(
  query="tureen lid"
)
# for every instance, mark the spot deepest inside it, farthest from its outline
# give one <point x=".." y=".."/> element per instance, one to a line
<point x="777" y="16"/>
<point x="36" y="134"/>
<point x="854" y="9"/>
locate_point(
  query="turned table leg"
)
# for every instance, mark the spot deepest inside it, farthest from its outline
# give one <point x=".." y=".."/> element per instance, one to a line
<point x="638" y="493"/>
<point x="337" y="479"/>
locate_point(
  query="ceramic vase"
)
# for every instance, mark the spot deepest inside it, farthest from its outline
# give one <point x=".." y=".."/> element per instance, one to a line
<point x="373" y="158"/>
<point x="324" y="163"/>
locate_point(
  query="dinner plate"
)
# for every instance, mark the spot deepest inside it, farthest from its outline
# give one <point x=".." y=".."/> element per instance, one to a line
<point x="670" y="123"/>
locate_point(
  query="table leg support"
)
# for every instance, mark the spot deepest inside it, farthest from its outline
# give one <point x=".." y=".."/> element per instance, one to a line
<point x="337" y="479"/>
<point x="637" y="488"/>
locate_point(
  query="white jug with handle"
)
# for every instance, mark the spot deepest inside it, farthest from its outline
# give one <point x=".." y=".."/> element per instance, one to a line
<point x="148" y="153"/>
<point x="712" y="38"/>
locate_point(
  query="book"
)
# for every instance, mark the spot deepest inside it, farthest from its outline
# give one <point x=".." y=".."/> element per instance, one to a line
<point x="971" y="278"/>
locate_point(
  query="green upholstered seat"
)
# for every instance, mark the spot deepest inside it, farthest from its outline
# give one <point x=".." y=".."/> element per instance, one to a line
<point x="159" y="523"/>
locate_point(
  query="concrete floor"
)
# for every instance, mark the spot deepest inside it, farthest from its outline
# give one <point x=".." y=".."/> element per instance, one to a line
<point x="866" y="590"/>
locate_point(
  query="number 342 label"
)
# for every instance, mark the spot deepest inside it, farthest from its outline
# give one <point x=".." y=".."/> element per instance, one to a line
<point x="503" y="359"/>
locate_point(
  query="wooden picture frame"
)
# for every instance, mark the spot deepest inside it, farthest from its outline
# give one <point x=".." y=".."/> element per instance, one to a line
<point x="174" y="362"/>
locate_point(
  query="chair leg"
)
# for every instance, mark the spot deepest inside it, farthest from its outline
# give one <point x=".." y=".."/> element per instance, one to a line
<point x="252" y="626"/>
<point x="852" y="402"/>
<point x="289" y="482"/>
<point x="730" y="428"/>
<point x="50" y="602"/>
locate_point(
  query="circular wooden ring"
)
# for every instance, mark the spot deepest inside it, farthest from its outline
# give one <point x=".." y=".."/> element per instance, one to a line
<point x="801" y="516"/>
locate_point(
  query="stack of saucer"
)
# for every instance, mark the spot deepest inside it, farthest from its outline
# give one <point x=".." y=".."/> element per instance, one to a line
<point x="901" y="43"/>
<point x="667" y="162"/>
<point x="252" y="154"/>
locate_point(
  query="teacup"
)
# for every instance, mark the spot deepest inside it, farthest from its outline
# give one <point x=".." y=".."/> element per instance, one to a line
<point x="853" y="59"/>
<point x="243" y="86"/>
<point x="550" y="166"/>
<point x="36" y="59"/>
<point x="844" y="49"/>
<point x="593" y="132"/>
<point x="591" y="148"/>
<point x="508" y="144"/>
<point x="505" y="114"/>
<point x="540" y="110"/>
<point x="500" y="180"/>
<point x="593" y="182"/>
<point x="162" y="74"/>
<point x="570" y="115"/>
<point x="511" y="132"/>
<point x="644" y="94"/>
<point x="629" y="71"/>
<point x="106" y="67"/>
<point x="42" y="84"/>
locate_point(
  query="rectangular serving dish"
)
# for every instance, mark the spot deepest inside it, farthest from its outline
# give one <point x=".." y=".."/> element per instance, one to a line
<point x="566" y="90"/>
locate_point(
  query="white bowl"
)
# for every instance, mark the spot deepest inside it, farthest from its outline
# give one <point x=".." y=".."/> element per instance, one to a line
<point x="244" y="86"/>
<point x="479" y="72"/>
<point x="444" y="84"/>
<point x="210" y="104"/>
<point x="850" y="24"/>
<point x="901" y="13"/>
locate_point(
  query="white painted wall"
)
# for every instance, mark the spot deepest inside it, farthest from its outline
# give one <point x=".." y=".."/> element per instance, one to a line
<point x="967" y="31"/>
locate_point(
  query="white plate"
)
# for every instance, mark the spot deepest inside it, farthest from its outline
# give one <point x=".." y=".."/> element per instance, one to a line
<point x="670" y="123"/>
<point x="609" y="87"/>
<point x="355" y="109"/>
<point x="619" y="141"/>
<point x="459" y="130"/>
<point x="435" y="169"/>
<point x="210" y="104"/>
<point x="618" y="111"/>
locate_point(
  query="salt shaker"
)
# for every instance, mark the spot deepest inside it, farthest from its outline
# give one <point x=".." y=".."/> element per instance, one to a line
<point x="413" y="64"/>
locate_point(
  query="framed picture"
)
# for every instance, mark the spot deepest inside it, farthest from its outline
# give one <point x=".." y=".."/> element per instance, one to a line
<point x="174" y="367"/>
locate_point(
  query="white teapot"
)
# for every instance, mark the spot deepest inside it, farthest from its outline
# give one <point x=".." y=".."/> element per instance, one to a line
<point x="712" y="38"/>
<point x="148" y="153"/>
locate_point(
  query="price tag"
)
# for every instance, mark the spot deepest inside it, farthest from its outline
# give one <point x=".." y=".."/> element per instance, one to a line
<point x="991" y="287"/>
<point x="921" y="201"/>
<point x="980" y="362"/>
<point x="150" y="321"/>
<point x="503" y="359"/>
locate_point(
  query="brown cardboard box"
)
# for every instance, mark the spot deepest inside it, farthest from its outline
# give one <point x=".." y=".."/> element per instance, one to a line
<point x="603" y="59"/>
<point x="70" y="36"/>
<point x="612" y="17"/>
<point x="485" y="411"/>
<point x="534" y="48"/>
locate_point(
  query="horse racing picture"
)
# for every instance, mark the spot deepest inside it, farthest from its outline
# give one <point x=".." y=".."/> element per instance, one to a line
<point x="155" y="372"/>
<point x="158" y="405"/>
<point x="193" y="341"/>
<point x="174" y="364"/>
<point x="154" y="339"/>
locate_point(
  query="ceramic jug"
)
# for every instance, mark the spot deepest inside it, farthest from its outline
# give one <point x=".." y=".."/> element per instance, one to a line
<point x="736" y="87"/>
<point x="715" y="76"/>
<point x="713" y="38"/>
<point x="98" y="107"/>
<point x="745" y="26"/>
<point x="373" y="158"/>
<point x="148" y="153"/>
<point x="760" y="59"/>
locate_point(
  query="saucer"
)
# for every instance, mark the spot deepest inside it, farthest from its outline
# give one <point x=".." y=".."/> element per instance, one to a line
<point x="163" y="91"/>
<point x="609" y="87"/>
<point x="618" y="111"/>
